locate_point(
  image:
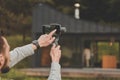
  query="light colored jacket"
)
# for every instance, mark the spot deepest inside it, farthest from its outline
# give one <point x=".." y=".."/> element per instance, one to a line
<point x="20" y="53"/>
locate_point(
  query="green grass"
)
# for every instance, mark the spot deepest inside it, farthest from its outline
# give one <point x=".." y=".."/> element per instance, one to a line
<point x="17" y="40"/>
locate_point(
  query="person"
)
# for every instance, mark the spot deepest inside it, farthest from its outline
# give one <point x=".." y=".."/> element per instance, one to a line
<point x="87" y="56"/>
<point x="9" y="58"/>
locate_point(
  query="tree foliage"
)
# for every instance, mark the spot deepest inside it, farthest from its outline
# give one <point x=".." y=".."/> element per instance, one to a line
<point x="17" y="14"/>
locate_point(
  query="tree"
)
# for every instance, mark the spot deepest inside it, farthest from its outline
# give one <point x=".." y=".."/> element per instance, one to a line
<point x="16" y="14"/>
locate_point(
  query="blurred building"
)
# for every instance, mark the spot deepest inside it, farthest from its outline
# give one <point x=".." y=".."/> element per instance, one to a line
<point x="80" y="35"/>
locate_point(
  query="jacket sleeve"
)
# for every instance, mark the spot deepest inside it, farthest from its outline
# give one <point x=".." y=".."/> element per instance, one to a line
<point x="20" y="53"/>
<point x="55" y="71"/>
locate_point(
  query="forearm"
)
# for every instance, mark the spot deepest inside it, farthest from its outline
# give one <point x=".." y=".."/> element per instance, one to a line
<point x="20" y="53"/>
<point x="55" y="71"/>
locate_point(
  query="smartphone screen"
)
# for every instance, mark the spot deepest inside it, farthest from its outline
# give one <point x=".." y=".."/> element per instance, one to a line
<point x="48" y="28"/>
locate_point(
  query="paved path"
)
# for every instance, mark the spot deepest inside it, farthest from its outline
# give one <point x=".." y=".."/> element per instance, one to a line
<point x="70" y="72"/>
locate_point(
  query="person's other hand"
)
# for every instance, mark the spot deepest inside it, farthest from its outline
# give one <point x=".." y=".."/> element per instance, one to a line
<point x="55" y="53"/>
<point x="46" y="39"/>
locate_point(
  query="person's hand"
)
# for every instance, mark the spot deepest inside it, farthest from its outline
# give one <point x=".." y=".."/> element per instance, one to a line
<point x="55" y="53"/>
<point x="46" y="39"/>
